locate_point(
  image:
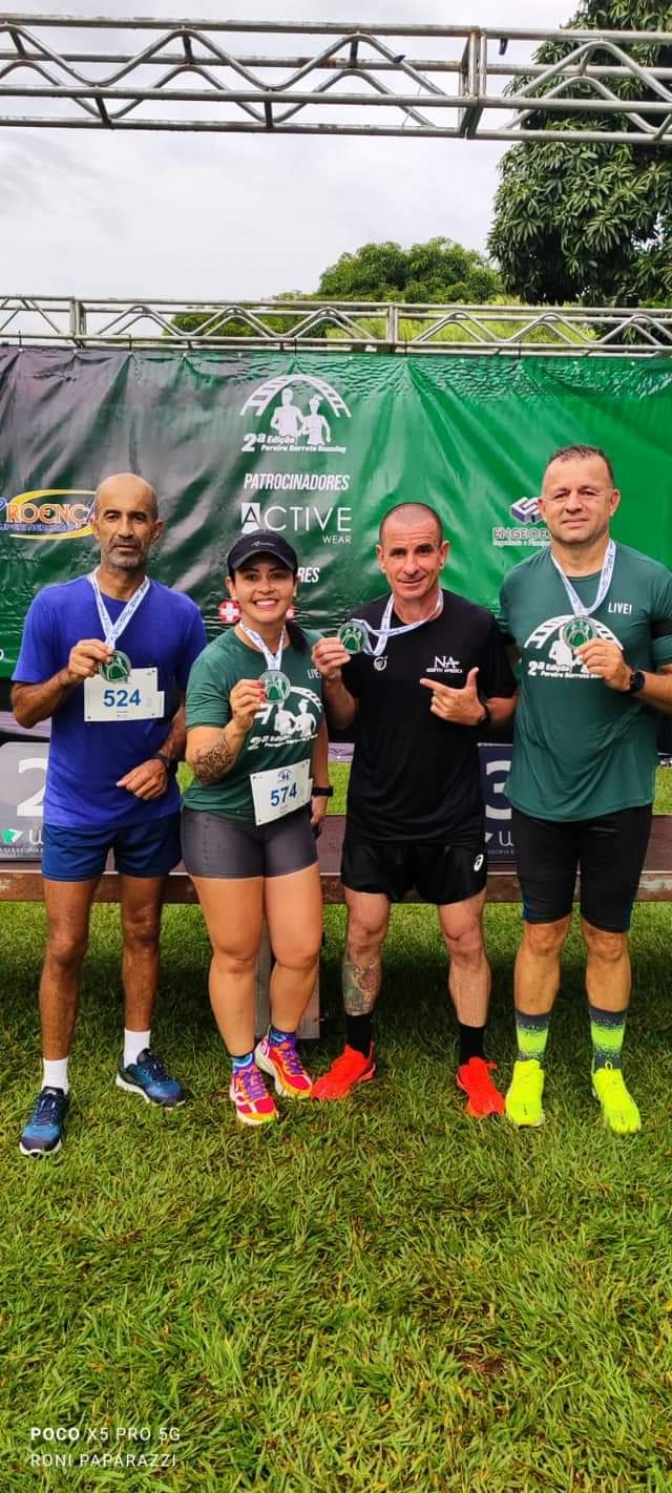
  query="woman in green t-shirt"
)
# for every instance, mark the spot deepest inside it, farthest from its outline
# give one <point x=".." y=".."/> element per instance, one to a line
<point x="257" y="743"/>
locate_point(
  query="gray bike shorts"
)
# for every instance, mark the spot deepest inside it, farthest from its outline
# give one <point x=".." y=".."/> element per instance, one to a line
<point x="228" y="850"/>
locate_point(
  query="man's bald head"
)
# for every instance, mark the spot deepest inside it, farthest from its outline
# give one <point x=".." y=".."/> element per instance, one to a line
<point x="411" y="513"/>
<point x="129" y="487"/>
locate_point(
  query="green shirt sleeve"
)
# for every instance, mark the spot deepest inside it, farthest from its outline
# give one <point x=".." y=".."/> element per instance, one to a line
<point x="661" y="619"/>
<point x="208" y="693"/>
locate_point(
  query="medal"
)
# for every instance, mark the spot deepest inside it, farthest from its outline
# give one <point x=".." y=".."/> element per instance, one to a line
<point x="359" y="628"/>
<point x="274" y="681"/>
<point x="577" y="631"/>
<point x="117" y="668"/>
<point x="352" y="636"/>
<point x="276" y="686"/>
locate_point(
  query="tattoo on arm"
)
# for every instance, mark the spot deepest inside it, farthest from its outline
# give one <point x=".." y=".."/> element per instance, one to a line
<point x="212" y="763"/>
<point x="361" y="984"/>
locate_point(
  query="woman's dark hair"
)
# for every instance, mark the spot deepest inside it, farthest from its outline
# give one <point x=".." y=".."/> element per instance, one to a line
<point x="297" y="637"/>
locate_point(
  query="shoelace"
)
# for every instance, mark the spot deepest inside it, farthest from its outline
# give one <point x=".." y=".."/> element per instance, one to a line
<point x="528" y="1076"/>
<point x="47" y="1109"/>
<point x="477" y="1073"/>
<point x="150" y="1064"/>
<point x="251" y="1082"/>
<point x="290" y="1057"/>
<point x="345" y="1062"/>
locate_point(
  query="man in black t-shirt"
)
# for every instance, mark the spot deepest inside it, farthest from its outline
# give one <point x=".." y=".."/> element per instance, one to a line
<point x="432" y="672"/>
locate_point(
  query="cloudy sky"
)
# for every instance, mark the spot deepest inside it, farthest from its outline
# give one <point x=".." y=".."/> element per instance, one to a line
<point x="229" y="216"/>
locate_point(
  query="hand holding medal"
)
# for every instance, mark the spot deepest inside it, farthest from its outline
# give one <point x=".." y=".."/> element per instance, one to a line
<point x="88" y="658"/>
<point x="330" y="655"/>
<point x="605" y="660"/>
<point x="246" y="699"/>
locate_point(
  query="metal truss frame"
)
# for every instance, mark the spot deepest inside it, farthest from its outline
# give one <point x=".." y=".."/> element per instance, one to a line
<point x="332" y="78"/>
<point x="338" y="326"/>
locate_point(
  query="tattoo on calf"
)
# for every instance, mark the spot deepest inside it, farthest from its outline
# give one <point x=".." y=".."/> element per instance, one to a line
<point x="213" y="763"/>
<point x="361" y="983"/>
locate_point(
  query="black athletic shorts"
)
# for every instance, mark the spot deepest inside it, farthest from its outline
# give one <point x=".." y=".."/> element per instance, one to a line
<point x="608" y="851"/>
<point x="439" y="873"/>
<point x="228" y="850"/>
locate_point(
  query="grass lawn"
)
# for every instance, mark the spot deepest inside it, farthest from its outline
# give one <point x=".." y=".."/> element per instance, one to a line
<point x="377" y="1297"/>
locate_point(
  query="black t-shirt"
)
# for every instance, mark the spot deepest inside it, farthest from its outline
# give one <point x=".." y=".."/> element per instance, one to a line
<point x="415" y="777"/>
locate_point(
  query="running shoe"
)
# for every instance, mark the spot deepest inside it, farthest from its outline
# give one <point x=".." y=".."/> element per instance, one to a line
<point x="352" y="1067"/>
<point x="475" y="1081"/>
<point x="281" y="1060"/>
<point x="43" y="1135"/>
<point x="619" y="1110"/>
<point x="147" y="1076"/>
<point x="253" y="1105"/>
<point x="523" y="1100"/>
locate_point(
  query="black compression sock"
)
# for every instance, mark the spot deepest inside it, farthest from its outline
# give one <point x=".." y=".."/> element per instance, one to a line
<point x="471" y="1042"/>
<point x="358" y="1032"/>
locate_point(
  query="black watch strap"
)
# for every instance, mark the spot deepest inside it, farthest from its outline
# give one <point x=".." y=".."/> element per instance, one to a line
<point x="321" y="792"/>
<point x="162" y="757"/>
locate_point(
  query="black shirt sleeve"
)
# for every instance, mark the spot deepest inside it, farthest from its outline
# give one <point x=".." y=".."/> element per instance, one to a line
<point x="496" y="679"/>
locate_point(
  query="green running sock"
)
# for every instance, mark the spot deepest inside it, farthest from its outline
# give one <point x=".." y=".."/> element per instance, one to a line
<point x="607" y="1030"/>
<point x="532" y="1035"/>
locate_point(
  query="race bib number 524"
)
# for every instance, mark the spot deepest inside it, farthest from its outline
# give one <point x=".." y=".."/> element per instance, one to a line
<point x="133" y="699"/>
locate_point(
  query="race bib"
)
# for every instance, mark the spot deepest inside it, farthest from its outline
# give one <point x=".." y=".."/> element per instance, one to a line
<point x="133" y="699"/>
<point x="280" y="791"/>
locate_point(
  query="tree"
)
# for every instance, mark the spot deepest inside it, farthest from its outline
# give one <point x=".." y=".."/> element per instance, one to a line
<point x="590" y="222"/>
<point x="437" y="271"/>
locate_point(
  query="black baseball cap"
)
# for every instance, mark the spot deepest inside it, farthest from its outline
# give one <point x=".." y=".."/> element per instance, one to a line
<point x="261" y="542"/>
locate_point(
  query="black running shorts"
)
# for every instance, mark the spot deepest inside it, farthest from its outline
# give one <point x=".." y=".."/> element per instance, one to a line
<point x="609" y="853"/>
<point x="440" y="873"/>
<point x="222" y="848"/>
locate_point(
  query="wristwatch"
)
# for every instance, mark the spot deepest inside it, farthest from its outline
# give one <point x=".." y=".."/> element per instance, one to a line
<point x="162" y="757"/>
<point x="486" y="718"/>
<point x="321" y="792"/>
<point x="637" y="681"/>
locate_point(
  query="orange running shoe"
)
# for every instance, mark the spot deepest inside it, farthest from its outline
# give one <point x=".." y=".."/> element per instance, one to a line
<point x="475" y="1081"/>
<point x="352" y="1067"/>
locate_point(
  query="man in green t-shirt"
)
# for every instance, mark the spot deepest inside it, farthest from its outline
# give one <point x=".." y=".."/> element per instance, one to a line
<point x="592" y="624"/>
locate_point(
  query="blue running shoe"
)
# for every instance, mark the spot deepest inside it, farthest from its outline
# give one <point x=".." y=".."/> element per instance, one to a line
<point x="147" y="1076"/>
<point x="43" y="1134"/>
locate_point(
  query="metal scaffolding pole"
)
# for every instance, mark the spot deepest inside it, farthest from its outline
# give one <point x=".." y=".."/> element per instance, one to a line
<point x="337" y="326"/>
<point x="334" y="79"/>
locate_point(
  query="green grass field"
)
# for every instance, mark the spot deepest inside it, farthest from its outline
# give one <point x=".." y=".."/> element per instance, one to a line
<point x="377" y="1297"/>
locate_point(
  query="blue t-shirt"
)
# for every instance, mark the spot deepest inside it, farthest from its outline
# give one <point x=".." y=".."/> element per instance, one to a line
<point x="87" y="758"/>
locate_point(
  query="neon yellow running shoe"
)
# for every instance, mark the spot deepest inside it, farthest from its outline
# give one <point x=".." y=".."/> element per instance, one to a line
<point x="523" y="1100"/>
<point x="619" y="1110"/>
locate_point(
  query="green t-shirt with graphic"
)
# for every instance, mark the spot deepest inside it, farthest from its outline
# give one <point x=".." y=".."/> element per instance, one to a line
<point x="581" y="749"/>
<point x="282" y="734"/>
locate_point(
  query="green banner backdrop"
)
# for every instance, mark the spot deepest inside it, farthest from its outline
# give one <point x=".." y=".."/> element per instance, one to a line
<point x="316" y="446"/>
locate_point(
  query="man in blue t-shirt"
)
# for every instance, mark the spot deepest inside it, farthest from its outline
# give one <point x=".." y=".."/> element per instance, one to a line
<point x="106" y="658"/>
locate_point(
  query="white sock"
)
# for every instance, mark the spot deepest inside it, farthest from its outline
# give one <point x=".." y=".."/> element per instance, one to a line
<point x="134" y="1044"/>
<point x="55" y="1074"/>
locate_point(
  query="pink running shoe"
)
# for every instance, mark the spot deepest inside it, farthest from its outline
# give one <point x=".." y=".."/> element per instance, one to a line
<point x="281" y="1060"/>
<point x="253" y="1105"/>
